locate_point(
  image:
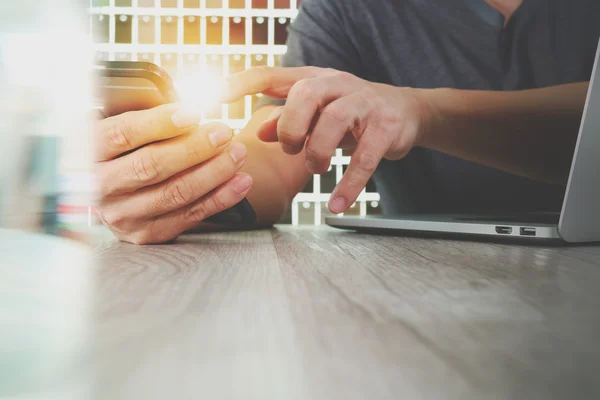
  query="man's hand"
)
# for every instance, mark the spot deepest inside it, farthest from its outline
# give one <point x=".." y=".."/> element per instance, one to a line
<point x="327" y="109"/>
<point x="161" y="174"/>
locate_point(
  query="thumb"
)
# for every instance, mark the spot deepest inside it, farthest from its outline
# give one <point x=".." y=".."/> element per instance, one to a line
<point x="267" y="131"/>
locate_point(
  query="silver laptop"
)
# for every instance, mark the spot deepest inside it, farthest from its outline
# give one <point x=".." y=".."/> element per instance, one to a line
<point x="578" y="221"/>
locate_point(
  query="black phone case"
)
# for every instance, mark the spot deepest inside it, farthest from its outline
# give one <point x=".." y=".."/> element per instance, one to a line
<point x="242" y="214"/>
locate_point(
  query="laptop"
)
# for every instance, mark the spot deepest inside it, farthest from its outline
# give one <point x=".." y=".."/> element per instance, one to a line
<point x="578" y="221"/>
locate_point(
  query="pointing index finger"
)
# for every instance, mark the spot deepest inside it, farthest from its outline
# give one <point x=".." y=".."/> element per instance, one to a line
<point x="272" y="81"/>
<point x="363" y="164"/>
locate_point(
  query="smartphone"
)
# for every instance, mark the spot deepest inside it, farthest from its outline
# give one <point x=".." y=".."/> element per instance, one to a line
<point x="135" y="85"/>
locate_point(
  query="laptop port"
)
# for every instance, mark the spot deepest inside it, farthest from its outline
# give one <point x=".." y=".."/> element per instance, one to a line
<point x="527" y="231"/>
<point x="504" y="230"/>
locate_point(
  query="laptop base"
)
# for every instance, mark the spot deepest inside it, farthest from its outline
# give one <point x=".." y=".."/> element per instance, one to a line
<point x="521" y="229"/>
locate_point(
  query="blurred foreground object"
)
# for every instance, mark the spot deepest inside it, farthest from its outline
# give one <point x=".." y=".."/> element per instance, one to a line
<point x="45" y="282"/>
<point x="45" y="141"/>
<point x="46" y="287"/>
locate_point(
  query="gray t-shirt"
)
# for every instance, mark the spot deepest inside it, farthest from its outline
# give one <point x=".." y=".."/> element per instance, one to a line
<point x="458" y="44"/>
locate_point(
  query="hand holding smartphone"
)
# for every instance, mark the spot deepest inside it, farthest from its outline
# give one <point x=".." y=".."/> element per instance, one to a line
<point x="136" y="86"/>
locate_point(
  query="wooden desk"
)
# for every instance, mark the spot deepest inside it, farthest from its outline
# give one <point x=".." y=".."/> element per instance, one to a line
<point x="315" y="313"/>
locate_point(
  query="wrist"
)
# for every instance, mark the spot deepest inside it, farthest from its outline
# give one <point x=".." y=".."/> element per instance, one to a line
<point x="431" y="105"/>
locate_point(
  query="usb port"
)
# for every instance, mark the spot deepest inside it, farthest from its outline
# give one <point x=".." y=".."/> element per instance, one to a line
<point x="504" y="230"/>
<point x="527" y="231"/>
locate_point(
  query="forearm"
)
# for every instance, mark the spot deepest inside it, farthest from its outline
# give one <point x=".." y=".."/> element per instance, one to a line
<point x="531" y="133"/>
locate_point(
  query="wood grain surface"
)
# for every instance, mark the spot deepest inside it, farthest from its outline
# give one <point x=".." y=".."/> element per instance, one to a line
<point x="317" y="313"/>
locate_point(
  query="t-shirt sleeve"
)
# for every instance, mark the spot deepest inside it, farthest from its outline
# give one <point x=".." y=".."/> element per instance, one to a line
<point x="319" y="37"/>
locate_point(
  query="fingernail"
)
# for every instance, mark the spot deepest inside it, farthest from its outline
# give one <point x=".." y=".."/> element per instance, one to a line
<point x="288" y="148"/>
<point x="276" y="113"/>
<point x="186" y="117"/>
<point x="242" y="183"/>
<point x="311" y="166"/>
<point x="237" y="151"/>
<point x="337" y="205"/>
<point x="220" y="136"/>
